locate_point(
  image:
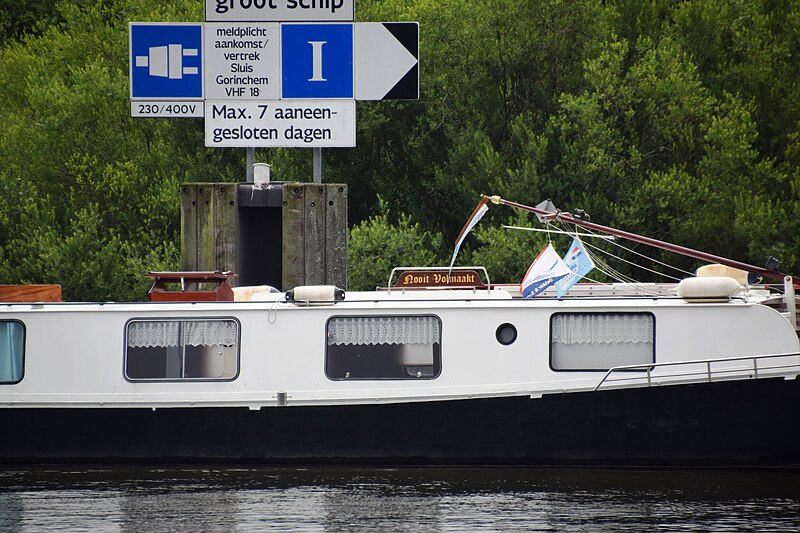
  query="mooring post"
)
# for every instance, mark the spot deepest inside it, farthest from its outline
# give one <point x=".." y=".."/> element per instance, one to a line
<point x="275" y="233"/>
<point x="314" y="234"/>
<point x="209" y="227"/>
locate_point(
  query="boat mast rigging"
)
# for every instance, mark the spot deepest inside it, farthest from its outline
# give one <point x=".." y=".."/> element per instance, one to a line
<point x="689" y="252"/>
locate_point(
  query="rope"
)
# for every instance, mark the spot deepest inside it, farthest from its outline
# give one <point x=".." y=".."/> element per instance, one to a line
<point x="631" y="250"/>
<point x="603" y="267"/>
<point x="618" y="275"/>
<point x="272" y="314"/>
<point x="632" y="263"/>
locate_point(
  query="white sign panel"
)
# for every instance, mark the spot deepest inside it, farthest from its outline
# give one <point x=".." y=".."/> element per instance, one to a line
<point x="386" y="60"/>
<point x="169" y="109"/>
<point x="280" y="10"/>
<point x="281" y="123"/>
<point x="242" y="61"/>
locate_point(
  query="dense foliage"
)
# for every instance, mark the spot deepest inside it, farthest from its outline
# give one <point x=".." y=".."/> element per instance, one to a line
<point x="677" y="119"/>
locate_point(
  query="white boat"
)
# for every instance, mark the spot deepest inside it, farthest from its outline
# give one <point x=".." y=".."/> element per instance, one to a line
<point x="429" y="370"/>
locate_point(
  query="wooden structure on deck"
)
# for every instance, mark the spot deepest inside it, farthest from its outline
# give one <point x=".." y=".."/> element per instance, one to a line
<point x="282" y="234"/>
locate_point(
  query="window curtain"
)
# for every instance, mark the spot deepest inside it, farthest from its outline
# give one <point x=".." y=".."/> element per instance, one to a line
<point x="165" y="333"/>
<point x="602" y="328"/>
<point x="384" y="330"/>
<point x="12" y="339"/>
<point x="210" y="333"/>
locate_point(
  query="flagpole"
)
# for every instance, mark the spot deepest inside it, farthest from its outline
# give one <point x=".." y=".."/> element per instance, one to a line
<point x="689" y="252"/>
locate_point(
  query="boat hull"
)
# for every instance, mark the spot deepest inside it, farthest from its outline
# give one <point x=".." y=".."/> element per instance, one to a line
<point x="734" y="423"/>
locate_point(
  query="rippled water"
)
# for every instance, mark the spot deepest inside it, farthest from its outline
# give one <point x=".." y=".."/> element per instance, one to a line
<point x="360" y="499"/>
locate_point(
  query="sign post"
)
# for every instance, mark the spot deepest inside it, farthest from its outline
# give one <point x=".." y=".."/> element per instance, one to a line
<point x="317" y="164"/>
<point x="271" y="73"/>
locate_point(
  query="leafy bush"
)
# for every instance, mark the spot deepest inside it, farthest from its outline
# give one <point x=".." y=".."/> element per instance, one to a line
<point x="679" y="120"/>
<point x="376" y="246"/>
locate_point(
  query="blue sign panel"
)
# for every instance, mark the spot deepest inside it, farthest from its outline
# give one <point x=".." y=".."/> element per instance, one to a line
<point x="317" y="60"/>
<point x="166" y="60"/>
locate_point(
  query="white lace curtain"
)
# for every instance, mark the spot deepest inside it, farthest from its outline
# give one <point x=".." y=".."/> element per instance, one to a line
<point x="605" y="328"/>
<point x="163" y="333"/>
<point x="384" y="330"/>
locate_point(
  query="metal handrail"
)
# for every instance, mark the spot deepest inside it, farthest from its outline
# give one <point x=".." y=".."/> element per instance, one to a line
<point x="707" y="372"/>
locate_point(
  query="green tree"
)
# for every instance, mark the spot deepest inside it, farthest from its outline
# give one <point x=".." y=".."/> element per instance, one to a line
<point x="489" y="81"/>
<point x="376" y="246"/>
<point x="90" y="196"/>
<point x="22" y="17"/>
<point x="676" y="119"/>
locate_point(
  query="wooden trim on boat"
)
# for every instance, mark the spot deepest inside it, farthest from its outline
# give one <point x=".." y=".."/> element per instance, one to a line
<point x="30" y="293"/>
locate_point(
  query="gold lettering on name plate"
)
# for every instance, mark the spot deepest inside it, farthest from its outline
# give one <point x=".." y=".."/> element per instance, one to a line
<point x="440" y="279"/>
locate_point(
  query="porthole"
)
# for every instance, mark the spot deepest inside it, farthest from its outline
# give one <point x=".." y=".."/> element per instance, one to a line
<point x="506" y="334"/>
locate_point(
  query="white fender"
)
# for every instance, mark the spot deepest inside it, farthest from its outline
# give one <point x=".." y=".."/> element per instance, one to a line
<point x="708" y="289"/>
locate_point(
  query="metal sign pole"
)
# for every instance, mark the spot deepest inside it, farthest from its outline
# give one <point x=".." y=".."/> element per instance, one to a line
<point x="317" y="153"/>
<point x="251" y="155"/>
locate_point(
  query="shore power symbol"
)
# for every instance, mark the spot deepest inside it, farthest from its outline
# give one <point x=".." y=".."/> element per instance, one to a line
<point x="167" y="61"/>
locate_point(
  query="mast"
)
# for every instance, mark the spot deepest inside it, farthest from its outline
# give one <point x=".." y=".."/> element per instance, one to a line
<point x="689" y="252"/>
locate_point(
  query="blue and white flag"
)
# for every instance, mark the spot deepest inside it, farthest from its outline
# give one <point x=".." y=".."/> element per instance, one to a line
<point x="579" y="264"/>
<point x="545" y="270"/>
<point x="476" y="215"/>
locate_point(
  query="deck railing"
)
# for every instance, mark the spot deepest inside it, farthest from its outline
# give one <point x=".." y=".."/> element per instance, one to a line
<point x="702" y="371"/>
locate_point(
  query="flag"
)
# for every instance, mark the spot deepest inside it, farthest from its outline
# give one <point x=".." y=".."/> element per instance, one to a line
<point x="545" y="270"/>
<point x="476" y="215"/>
<point x="579" y="264"/>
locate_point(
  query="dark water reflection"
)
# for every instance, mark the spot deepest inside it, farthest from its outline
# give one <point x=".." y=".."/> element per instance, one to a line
<point x="360" y="499"/>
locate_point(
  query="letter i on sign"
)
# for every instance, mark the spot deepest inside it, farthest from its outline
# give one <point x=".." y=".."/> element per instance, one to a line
<point x="316" y="48"/>
<point x="316" y="60"/>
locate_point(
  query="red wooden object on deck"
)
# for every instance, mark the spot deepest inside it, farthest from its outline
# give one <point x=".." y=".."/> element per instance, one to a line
<point x="30" y="293"/>
<point x="188" y="289"/>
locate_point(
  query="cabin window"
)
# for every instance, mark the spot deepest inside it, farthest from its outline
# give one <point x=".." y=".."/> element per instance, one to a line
<point x="383" y="347"/>
<point x="182" y="350"/>
<point x="12" y="351"/>
<point x="600" y="341"/>
<point x="506" y="334"/>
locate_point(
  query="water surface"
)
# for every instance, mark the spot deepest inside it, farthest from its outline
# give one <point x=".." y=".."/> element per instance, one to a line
<point x="222" y="499"/>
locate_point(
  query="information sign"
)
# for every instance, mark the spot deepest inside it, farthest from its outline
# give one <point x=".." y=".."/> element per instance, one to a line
<point x="281" y="123"/>
<point x="242" y="61"/>
<point x="166" y="60"/>
<point x="167" y="109"/>
<point x="317" y="60"/>
<point x="386" y="60"/>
